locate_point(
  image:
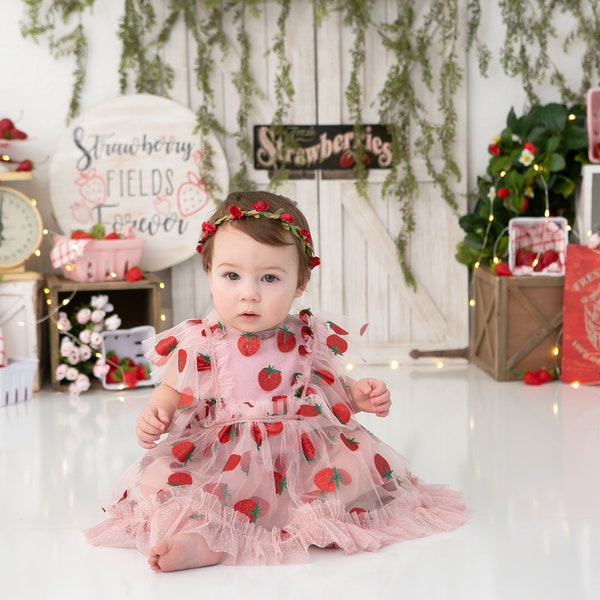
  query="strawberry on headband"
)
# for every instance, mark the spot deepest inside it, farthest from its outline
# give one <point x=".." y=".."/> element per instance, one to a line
<point x="261" y="209"/>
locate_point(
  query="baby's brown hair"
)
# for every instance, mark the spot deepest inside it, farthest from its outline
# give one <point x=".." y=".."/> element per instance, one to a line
<point x="272" y="227"/>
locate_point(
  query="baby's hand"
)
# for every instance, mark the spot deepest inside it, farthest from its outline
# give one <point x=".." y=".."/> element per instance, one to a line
<point x="151" y="424"/>
<point x="371" y="395"/>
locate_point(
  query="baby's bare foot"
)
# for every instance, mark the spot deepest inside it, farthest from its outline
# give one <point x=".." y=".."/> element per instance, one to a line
<point x="182" y="551"/>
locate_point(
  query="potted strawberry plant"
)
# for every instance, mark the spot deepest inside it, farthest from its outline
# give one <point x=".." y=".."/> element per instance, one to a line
<point x="533" y="171"/>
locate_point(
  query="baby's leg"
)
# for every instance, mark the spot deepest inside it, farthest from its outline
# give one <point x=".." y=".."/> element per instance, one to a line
<point x="182" y="551"/>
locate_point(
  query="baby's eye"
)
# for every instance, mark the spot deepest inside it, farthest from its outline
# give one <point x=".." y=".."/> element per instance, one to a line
<point x="270" y="278"/>
<point x="231" y="276"/>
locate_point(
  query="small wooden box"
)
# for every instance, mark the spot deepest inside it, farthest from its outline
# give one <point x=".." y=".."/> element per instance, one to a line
<point x="515" y="323"/>
<point x="136" y="302"/>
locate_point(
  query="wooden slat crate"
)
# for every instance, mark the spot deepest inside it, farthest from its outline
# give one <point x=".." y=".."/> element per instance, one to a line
<point x="515" y="323"/>
<point x="136" y="302"/>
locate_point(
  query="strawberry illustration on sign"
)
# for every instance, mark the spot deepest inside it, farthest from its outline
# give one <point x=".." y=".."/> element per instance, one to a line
<point x="269" y="378"/>
<point x="192" y="196"/>
<point x="92" y="187"/>
<point x="80" y="211"/>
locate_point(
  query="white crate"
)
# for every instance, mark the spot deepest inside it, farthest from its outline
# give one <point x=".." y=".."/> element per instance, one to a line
<point x="16" y="380"/>
<point x="127" y="343"/>
<point x="538" y="234"/>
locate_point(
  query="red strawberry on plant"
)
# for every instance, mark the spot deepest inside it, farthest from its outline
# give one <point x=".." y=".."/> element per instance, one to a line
<point x="308" y="448"/>
<point x="252" y="507"/>
<point x="248" y="344"/>
<point x="342" y="412"/>
<point x="183" y="451"/>
<point x="383" y="467"/>
<point x="179" y="478"/>
<point x="286" y="339"/>
<point x="280" y="482"/>
<point x="350" y="443"/>
<point x="269" y="378"/>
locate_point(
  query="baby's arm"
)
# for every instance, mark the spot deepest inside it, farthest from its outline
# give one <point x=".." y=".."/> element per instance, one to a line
<point x="370" y="395"/>
<point x="156" y="416"/>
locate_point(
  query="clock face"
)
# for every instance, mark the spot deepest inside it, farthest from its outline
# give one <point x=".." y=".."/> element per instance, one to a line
<point x="20" y="228"/>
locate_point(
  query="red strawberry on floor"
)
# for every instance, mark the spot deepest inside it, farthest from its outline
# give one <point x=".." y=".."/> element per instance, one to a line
<point x="253" y="508"/>
<point x="183" y="451"/>
<point x="531" y="378"/>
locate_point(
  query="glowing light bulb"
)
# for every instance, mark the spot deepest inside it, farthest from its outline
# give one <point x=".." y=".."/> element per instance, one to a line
<point x="476" y="265"/>
<point x="394" y="364"/>
<point x="555" y="351"/>
<point x="546" y="213"/>
<point x="439" y="364"/>
<point x="491" y="218"/>
<point x="349" y="367"/>
<point x="163" y="317"/>
<point x="161" y="285"/>
<point x="575" y="384"/>
<point x="571" y="117"/>
<point x="472" y="302"/>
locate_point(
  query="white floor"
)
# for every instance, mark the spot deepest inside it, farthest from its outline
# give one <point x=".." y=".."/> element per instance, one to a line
<point x="526" y="458"/>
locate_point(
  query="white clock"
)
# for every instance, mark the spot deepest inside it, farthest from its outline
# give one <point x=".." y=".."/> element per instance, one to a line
<point x="21" y="229"/>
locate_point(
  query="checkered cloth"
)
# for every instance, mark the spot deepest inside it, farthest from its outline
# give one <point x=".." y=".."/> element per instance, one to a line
<point x="66" y="250"/>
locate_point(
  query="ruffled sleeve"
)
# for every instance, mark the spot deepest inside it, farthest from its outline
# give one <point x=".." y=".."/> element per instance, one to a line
<point x="181" y="358"/>
<point x="335" y="342"/>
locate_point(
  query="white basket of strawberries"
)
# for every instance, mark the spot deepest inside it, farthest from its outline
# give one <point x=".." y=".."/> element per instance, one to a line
<point x="537" y="245"/>
<point x="124" y="355"/>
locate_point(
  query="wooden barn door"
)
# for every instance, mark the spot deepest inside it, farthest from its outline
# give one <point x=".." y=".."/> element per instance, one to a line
<point x="360" y="275"/>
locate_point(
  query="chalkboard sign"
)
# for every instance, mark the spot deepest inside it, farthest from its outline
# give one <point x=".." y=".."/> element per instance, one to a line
<point x="134" y="162"/>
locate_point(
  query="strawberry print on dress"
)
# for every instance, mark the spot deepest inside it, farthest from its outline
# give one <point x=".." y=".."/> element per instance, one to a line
<point x="265" y="457"/>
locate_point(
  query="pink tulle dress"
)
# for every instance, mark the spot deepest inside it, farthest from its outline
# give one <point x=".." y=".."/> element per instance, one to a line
<point x="264" y="457"/>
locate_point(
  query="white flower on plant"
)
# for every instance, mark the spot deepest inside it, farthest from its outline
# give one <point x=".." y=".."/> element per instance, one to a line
<point x="71" y="374"/>
<point x="96" y="340"/>
<point x="85" y="352"/>
<point x="81" y="384"/>
<point x="75" y="356"/>
<point x="491" y="193"/>
<point x="84" y="336"/>
<point x="97" y="317"/>
<point x="101" y="368"/>
<point x="63" y="323"/>
<point x="66" y="346"/>
<point x="527" y="157"/>
<point x="61" y="372"/>
<point x="83" y="316"/>
<point x="100" y="302"/>
<point x="528" y="191"/>
<point x="112" y="323"/>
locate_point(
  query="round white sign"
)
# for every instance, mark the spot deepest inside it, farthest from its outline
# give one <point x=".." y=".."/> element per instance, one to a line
<point x="134" y="161"/>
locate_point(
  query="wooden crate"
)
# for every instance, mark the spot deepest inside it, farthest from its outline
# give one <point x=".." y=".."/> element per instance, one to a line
<point x="515" y="323"/>
<point x="136" y="302"/>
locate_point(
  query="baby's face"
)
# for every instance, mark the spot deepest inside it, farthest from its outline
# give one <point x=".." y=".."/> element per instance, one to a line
<point x="253" y="285"/>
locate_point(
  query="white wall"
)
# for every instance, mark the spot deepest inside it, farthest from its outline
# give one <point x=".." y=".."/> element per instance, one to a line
<point x="35" y="90"/>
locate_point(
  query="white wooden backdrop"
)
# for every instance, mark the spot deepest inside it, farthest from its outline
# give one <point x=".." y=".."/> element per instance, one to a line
<point x="360" y="274"/>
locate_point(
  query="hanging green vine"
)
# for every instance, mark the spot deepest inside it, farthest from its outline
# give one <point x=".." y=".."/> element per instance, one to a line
<point x="415" y="42"/>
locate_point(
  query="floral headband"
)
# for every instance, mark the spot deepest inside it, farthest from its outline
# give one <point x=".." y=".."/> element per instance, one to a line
<point x="261" y="209"/>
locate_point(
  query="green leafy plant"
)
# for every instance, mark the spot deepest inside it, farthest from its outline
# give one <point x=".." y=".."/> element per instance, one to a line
<point x="534" y="168"/>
